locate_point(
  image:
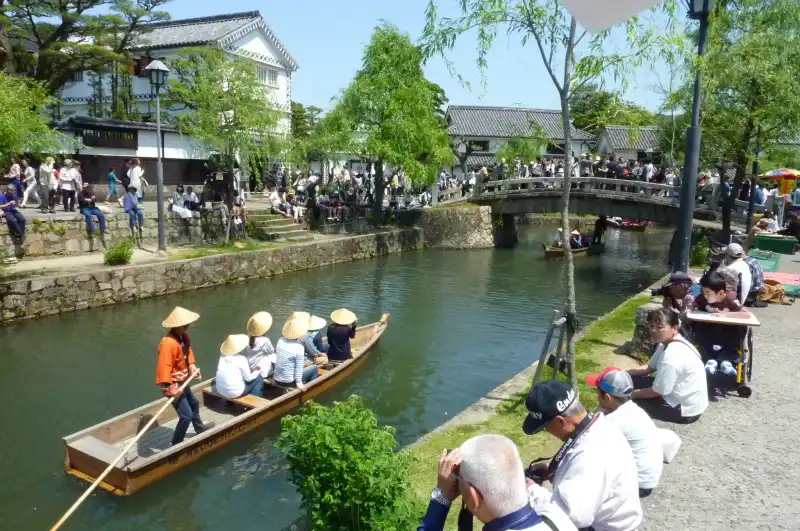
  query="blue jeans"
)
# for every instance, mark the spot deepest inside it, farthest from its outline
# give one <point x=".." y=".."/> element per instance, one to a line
<point x="16" y="223"/>
<point x="188" y="409"/>
<point x="101" y="219"/>
<point x="136" y="213"/>
<point x="254" y="387"/>
<point x="309" y="373"/>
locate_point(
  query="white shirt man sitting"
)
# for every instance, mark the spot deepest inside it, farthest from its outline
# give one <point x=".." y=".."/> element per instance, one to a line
<point x="614" y="388"/>
<point x="734" y="260"/>
<point x="594" y="473"/>
<point x="487" y="472"/>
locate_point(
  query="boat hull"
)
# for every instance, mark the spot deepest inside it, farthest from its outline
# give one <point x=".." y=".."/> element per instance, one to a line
<point x="558" y="252"/>
<point x="126" y="480"/>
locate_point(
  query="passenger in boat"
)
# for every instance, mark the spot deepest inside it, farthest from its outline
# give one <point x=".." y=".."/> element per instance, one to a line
<point x="315" y="326"/>
<point x="290" y="354"/>
<point x="234" y="376"/>
<point x="313" y="355"/>
<point x="175" y="365"/>
<point x="575" y="240"/>
<point x="557" y="239"/>
<point x="260" y="352"/>
<point x="340" y="332"/>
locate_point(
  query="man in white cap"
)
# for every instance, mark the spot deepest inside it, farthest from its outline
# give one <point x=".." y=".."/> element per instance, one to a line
<point x="734" y="260"/>
<point x="593" y="474"/>
<point x="614" y="388"/>
<point x="176" y="364"/>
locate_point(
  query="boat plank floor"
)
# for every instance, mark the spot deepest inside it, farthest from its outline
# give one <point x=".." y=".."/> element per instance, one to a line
<point x="158" y="437"/>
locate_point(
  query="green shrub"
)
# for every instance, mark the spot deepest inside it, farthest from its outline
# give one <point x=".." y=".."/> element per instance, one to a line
<point x="345" y="467"/>
<point x="121" y="252"/>
<point x="699" y="253"/>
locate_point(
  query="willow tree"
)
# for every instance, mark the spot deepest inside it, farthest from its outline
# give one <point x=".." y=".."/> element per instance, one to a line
<point x="571" y="57"/>
<point x="24" y="128"/>
<point x="392" y="110"/>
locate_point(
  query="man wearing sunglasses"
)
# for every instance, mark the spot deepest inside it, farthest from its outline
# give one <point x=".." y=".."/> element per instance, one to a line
<point x="487" y="472"/>
<point x="593" y="474"/>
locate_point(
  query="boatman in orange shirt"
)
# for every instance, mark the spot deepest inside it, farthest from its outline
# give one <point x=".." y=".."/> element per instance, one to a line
<point x="176" y="364"/>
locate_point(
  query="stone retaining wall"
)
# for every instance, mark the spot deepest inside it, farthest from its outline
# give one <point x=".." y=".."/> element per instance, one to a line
<point x="65" y="236"/>
<point x="453" y="228"/>
<point x="24" y="299"/>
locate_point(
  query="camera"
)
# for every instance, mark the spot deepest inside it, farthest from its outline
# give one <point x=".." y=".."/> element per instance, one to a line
<point x="536" y="474"/>
<point x="656" y="292"/>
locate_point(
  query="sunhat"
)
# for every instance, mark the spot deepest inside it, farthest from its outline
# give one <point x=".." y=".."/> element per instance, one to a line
<point x="180" y="317"/>
<point x="234" y="344"/>
<point x="316" y="323"/>
<point x="259" y="324"/>
<point x="295" y="328"/>
<point x="343" y="316"/>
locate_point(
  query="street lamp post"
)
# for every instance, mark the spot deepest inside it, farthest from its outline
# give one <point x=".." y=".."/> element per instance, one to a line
<point x="158" y="75"/>
<point x="698" y="10"/>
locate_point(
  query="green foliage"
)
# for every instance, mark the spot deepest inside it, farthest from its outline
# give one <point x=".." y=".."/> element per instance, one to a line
<point x="525" y="149"/>
<point x="23" y="128"/>
<point x="229" y="106"/>
<point x="699" y="254"/>
<point x="591" y="108"/>
<point x="72" y="37"/>
<point x="392" y="109"/>
<point x="301" y="122"/>
<point x="345" y="466"/>
<point x="781" y="156"/>
<point x="120" y="253"/>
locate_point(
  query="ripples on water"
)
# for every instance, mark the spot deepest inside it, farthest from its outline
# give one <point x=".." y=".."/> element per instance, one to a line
<point x="462" y="323"/>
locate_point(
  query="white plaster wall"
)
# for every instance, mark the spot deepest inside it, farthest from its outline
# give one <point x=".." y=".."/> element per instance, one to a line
<point x="175" y="147"/>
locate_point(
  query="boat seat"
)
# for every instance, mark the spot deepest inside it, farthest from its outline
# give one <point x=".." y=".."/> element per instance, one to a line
<point x="96" y="448"/>
<point x="248" y="401"/>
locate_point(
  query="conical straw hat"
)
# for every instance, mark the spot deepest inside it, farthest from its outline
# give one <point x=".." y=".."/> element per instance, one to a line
<point x="259" y="324"/>
<point x="575" y="233"/>
<point x="295" y="328"/>
<point x="343" y="316"/>
<point x="180" y="317"/>
<point x="302" y="316"/>
<point x="234" y="344"/>
<point x="316" y="323"/>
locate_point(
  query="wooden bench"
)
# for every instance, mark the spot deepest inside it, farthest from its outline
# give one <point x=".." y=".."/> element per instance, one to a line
<point x="93" y="447"/>
<point x="248" y="401"/>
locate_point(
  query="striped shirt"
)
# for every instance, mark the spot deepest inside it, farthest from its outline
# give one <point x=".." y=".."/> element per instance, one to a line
<point x="290" y="360"/>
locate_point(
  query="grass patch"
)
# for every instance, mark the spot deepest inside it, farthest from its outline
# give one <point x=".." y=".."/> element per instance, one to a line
<point x="230" y="247"/>
<point x="594" y="351"/>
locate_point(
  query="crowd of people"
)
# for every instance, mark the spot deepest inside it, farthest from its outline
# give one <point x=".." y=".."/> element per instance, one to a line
<point x="611" y="458"/>
<point x="249" y="362"/>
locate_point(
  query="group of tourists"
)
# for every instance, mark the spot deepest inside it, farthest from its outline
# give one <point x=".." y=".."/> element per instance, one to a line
<point x="249" y="362"/>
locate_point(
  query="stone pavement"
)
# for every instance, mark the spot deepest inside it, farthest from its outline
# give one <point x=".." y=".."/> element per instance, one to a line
<point x="738" y="465"/>
<point x="68" y="264"/>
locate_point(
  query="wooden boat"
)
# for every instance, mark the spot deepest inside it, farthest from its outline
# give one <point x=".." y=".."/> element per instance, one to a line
<point x="636" y="226"/>
<point x="90" y="451"/>
<point x="557" y="252"/>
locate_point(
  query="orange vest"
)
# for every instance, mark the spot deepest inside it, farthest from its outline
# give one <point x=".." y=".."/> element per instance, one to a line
<point x="172" y="366"/>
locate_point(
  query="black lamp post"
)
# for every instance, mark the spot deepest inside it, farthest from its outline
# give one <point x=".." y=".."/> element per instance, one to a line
<point x="158" y="76"/>
<point x="698" y="10"/>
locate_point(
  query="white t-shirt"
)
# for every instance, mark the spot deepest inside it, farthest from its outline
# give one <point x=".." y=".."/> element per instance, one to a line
<point x="596" y="483"/>
<point x="642" y="434"/>
<point x="263" y="355"/>
<point x="740" y="266"/>
<point x="232" y="373"/>
<point x="135" y="175"/>
<point x="681" y="376"/>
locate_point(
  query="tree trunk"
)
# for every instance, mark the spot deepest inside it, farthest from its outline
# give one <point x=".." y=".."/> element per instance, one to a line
<point x="378" y="194"/>
<point x="570" y="266"/>
<point x="729" y="202"/>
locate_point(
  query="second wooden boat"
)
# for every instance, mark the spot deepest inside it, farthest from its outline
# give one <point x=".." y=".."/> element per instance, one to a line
<point x="557" y="252"/>
<point x="90" y="451"/>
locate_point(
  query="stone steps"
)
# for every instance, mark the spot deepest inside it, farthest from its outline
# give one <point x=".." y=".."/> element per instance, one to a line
<point x="268" y="224"/>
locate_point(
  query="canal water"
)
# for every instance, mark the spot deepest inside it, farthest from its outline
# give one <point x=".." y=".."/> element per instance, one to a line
<point x="462" y="322"/>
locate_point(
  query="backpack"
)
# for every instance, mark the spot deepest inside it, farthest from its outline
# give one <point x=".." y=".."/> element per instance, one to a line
<point x="773" y="291"/>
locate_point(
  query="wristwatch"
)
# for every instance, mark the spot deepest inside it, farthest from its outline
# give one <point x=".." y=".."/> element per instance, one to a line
<point x="438" y="496"/>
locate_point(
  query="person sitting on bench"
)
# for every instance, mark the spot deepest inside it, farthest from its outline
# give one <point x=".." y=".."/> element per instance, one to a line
<point x="234" y="377"/>
<point x="291" y="356"/>
<point x="340" y="332"/>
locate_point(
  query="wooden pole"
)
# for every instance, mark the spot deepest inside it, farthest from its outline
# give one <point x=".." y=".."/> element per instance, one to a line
<point x="119" y="457"/>
<point x="545" y="348"/>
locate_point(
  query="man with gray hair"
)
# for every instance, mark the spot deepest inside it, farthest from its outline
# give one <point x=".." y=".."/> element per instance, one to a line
<point x="594" y="473"/>
<point x="487" y="472"/>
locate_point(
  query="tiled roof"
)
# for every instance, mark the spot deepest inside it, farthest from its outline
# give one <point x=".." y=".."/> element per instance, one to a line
<point x="481" y="158"/>
<point x="191" y="31"/>
<point x="633" y="138"/>
<point x="205" y="30"/>
<point x="507" y="122"/>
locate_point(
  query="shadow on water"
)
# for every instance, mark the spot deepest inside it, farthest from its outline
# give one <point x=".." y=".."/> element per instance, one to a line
<point x="462" y="323"/>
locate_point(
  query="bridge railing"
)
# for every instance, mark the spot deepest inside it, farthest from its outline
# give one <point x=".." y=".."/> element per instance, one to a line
<point x="602" y="186"/>
<point x="447" y="195"/>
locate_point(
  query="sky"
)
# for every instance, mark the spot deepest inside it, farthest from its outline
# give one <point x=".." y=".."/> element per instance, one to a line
<point x="327" y="39"/>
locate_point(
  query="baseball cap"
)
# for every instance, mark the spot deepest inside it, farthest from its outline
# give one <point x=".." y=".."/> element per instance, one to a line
<point x="613" y="381"/>
<point x="734" y="250"/>
<point x="679" y="277"/>
<point x="545" y="401"/>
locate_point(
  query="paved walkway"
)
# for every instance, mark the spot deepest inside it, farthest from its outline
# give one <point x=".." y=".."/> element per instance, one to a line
<point x="88" y="261"/>
<point x="739" y="467"/>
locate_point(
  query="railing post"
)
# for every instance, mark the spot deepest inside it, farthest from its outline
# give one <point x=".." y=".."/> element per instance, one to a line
<point x="435" y="195"/>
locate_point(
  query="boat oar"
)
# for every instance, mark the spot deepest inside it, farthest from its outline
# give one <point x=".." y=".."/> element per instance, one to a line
<point x="120" y="456"/>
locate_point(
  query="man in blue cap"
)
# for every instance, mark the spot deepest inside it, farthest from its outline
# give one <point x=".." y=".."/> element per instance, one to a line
<point x="594" y="474"/>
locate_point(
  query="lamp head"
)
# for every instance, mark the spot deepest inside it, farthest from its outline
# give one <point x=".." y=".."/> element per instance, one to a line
<point x="158" y="73"/>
